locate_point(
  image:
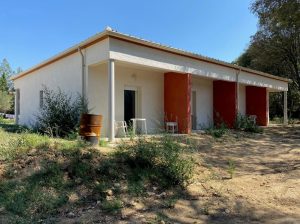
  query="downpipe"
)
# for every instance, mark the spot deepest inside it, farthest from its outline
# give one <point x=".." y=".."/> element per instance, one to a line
<point x="83" y="89"/>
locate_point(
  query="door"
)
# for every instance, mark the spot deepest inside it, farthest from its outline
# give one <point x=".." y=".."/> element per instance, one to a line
<point x="194" y="110"/>
<point x="129" y="105"/>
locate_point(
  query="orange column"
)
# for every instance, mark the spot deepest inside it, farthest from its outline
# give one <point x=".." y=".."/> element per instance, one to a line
<point x="177" y="95"/>
<point x="224" y="96"/>
<point x="257" y="104"/>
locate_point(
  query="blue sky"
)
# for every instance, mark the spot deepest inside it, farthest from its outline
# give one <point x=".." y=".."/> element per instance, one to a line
<point x="34" y="30"/>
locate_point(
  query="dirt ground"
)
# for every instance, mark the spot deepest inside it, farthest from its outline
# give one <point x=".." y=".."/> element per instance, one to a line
<point x="264" y="188"/>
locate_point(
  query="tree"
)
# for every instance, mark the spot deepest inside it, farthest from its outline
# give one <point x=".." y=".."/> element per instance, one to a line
<point x="5" y="74"/>
<point x="6" y="87"/>
<point x="5" y="102"/>
<point x="275" y="48"/>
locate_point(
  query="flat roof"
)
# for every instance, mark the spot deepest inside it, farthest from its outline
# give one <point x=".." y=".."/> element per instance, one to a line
<point x="108" y="32"/>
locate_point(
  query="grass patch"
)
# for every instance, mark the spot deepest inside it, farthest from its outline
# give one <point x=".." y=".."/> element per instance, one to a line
<point x="36" y="196"/>
<point x="42" y="172"/>
<point x="112" y="206"/>
<point x="217" y="131"/>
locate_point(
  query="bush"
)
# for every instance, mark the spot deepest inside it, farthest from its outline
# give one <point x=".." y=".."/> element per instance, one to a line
<point x="217" y="131"/>
<point x="59" y="116"/>
<point x="159" y="160"/>
<point x="245" y="123"/>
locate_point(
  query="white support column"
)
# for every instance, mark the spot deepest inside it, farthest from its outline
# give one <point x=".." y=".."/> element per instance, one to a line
<point x="111" y="99"/>
<point x="16" y="110"/>
<point x="285" y="114"/>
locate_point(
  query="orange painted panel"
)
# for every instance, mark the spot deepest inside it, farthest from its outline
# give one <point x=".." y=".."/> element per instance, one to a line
<point x="257" y="104"/>
<point x="224" y="97"/>
<point x="177" y="95"/>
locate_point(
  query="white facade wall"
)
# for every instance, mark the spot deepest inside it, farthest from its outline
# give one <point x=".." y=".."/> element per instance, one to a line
<point x="96" y="53"/>
<point x="242" y="99"/>
<point x="65" y="74"/>
<point x="204" y="101"/>
<point x="149" y="85"/>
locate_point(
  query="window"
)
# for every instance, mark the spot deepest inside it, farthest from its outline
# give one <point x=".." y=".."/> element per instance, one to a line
<point x="17" y="101"/>
<point x="41" y="98"/>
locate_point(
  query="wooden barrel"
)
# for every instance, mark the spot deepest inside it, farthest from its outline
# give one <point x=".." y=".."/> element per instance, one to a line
<point x="90" y="127"/>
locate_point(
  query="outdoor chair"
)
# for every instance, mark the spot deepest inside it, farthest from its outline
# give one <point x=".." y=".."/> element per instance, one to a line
<point x="121" y="126"/>
<point x="172" y="126"/>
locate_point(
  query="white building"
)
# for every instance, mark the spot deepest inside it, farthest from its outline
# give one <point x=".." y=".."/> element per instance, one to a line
<point x="125" y="77"/>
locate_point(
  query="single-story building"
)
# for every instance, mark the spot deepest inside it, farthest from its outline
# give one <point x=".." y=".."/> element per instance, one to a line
<point x="125" y="77"/>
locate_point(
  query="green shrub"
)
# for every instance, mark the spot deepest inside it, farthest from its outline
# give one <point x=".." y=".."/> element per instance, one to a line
<point x="245" y="123"/>
<point x="158" y="159"/>
<point x="112" y="206"/>
<point x="217" y="131"/>
<point x="59" y="116"/>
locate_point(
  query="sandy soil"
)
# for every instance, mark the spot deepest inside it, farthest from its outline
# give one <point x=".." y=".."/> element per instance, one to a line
<point x="265" y="187"/>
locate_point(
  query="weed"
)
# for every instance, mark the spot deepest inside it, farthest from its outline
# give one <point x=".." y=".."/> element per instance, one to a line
<point x="213" y="175"/>
<point x="103" y="143"/>
<point x="231" y="168"/>
<point x="112" y="206"/>
<point x="130" y="132"/>
<point x="161" y="218"/>
<point x="136" y="188"/>
<point x="205" y="210"/>
<point x="217" y="131"/>
<point x="170" y="202"/>
<point x="246" y="123"/>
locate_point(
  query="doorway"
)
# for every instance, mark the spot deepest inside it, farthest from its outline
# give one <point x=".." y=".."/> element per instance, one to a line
<point x="130" y="96"/>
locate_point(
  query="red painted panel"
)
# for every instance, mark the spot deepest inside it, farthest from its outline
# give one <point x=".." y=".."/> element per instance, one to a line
<point x="257" y="104"/>
<point x="224" y="97"/>
<point x="177" y="95"/>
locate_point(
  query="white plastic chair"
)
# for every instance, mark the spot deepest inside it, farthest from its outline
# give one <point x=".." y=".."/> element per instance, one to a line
<point x="172" y="126"/>
<point x="253" y="118"/>
<point x="143" y="122"/>
<point x="121" y="125"/>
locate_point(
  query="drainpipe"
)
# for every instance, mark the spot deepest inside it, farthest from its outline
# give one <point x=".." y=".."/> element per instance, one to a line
<point x="83" y="90"/>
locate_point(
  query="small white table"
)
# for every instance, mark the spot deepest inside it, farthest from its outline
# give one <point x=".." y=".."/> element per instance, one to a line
<point x="134" y="121"/>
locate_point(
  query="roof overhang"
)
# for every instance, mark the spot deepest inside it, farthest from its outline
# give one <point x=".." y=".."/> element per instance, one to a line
<point x="108" y="33"/>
